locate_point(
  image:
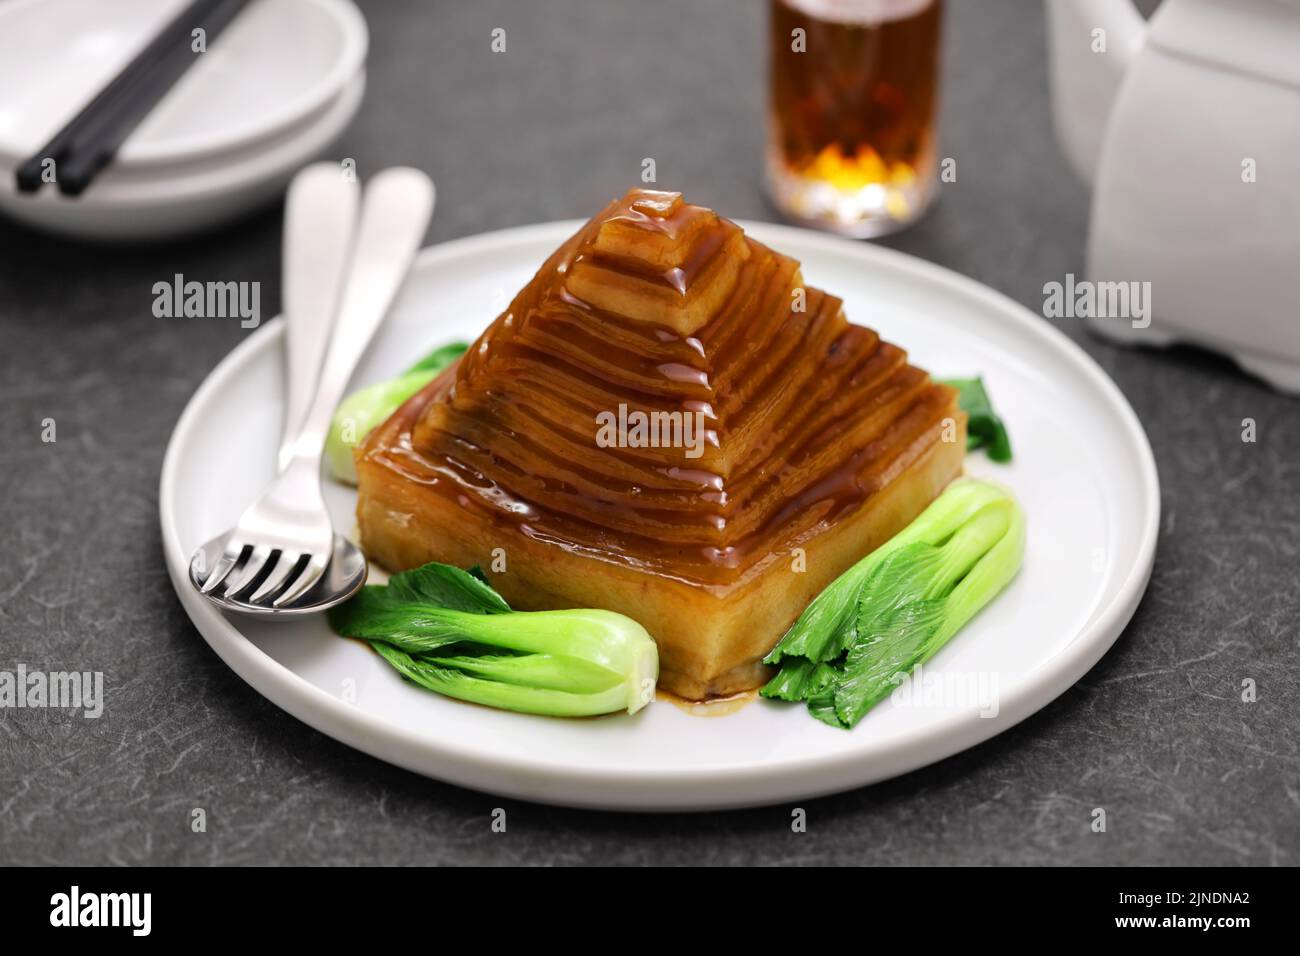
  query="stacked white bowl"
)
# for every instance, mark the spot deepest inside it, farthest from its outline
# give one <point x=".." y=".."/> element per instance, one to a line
<point x="273" y="92"/>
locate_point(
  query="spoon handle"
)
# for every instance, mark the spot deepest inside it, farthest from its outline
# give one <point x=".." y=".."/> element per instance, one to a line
<point x="395" y="210"/>
<point x="320" y="218"/>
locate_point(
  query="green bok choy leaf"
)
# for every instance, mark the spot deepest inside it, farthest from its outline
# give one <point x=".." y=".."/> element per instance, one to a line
<point x="449" y="631"/>
<point x="365" y="408"/>
<point x="900" y="604"/>
<point x="984" y="429"/>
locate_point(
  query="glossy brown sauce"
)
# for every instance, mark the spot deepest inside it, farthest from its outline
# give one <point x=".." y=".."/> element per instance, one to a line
<point x="710" y="707"/>
<point x="804" y="416"/>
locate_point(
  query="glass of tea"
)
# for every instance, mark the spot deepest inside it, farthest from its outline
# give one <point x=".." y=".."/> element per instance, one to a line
<point x="852" y="111"/>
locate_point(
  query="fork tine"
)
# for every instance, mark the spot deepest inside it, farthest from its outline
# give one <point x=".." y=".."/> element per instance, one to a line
<point x="307" y="580"/>
<point x="256" y="561"/>
<point x="281" y="572"/>
<point x="225" y="564"/>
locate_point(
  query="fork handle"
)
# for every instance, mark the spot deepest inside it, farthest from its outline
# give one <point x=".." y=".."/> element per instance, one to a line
<point x="395" y="210"/>
<point x="320" y="217"/>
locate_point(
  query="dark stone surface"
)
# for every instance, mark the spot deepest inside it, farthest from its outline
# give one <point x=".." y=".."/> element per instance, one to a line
<point x="1157" y="733"/>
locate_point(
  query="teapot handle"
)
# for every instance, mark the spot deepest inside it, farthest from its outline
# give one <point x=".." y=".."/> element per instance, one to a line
<point x="1091" y="44"/>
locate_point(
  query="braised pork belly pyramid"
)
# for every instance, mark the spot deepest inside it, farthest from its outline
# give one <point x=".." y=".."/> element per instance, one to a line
<point x="667" y="423"/>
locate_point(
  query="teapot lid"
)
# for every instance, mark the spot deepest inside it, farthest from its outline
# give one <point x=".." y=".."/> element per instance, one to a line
<point x="1257" y="37"/>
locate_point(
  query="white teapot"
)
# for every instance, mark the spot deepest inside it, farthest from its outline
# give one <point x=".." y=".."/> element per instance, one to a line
<point x="1188" y="129"/>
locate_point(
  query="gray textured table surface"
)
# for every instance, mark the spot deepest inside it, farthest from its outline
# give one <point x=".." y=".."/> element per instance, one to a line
<point x="1157" y="733"/>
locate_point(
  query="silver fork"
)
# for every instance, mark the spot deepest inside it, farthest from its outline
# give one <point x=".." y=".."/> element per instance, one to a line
<point x="282" y="544"/>
<point x="320" y="224"/>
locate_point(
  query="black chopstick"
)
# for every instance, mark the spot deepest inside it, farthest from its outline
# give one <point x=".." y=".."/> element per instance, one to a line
<point x="28" y="174"/>
<point x="90" y="140"/>
<point x="95" y="146"/>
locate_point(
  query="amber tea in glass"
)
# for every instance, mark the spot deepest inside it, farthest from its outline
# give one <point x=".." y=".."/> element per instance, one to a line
<point x="852" y="111"/>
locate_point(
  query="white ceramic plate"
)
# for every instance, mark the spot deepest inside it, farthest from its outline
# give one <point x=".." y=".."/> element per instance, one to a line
<point x="153" y="203"/>
<point x="276" y="64"/>
<point x="1083" y="471"/>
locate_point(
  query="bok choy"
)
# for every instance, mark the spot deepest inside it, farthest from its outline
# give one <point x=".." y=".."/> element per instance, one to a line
<point x="899" y="605"/>
<point x="365" y="408"/>
<point x="984" y="428"/>
<point x="449" y="631"/>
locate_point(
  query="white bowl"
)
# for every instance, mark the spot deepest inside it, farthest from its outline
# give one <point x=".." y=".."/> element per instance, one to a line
<point x="278" y="63"/>
<point x="169" y="201"/>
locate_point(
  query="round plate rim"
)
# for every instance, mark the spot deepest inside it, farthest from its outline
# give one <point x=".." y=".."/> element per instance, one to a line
<point x="733" y="786"/>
